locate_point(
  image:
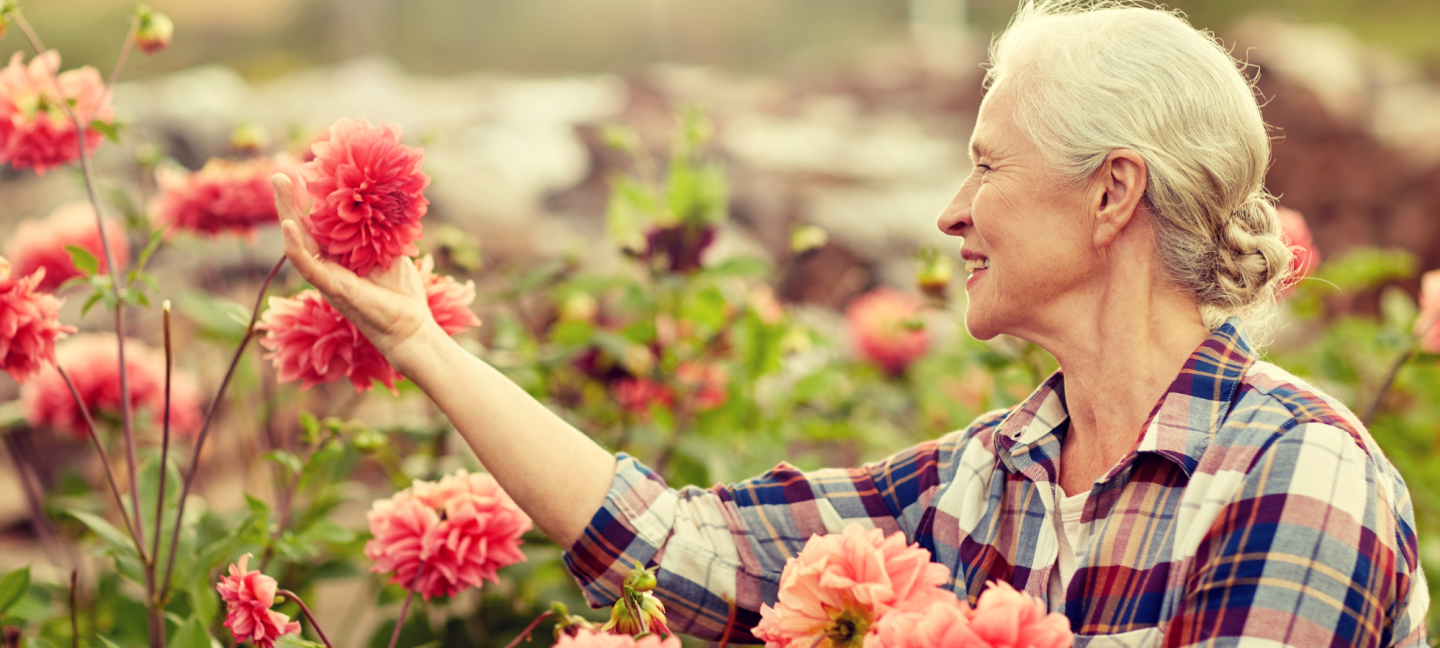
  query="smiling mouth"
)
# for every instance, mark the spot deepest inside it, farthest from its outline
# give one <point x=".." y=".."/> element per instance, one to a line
<point x="971" y="265"/>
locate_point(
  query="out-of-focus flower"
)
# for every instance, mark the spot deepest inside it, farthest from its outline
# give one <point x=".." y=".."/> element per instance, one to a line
<point x="34" y="131"/>
<point x="708" y="383"/>
<point x="40" y="243"/>
<point x="944" y="624"/>
<point x="248" y="597"/>
<point x="308" y="340"/>
<point x="934" y="272"/>
<point x="765" y="304"/>
<point x="638" y="395"/>
<point x="588" y="639"/>
<point x="449" y="299"/>
<point x="29" y="324"/>
<point x="369" y="195"/>
<point x="1296" y="233"/>
<point x="1002" y="618"/>
<point x="578" y="307"/>
<point x="154" y="31"/>
<point x="834" y="591"/>
<point x="93" y="363"/>
<point x="807" y="238"/>
<point x="249" y="138"/>
<point x="224" y="196"/>
<point x="1427" y="326"/>
<point x="678" y="248"/>
<point x="885" y="331"/>
<point x="463" y="529"/>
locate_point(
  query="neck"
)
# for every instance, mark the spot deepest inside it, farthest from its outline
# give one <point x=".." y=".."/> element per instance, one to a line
<point x="1120" y="346"/>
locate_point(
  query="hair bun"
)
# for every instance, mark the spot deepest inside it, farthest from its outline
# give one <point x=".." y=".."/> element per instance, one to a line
<point x="1251" y="258"/>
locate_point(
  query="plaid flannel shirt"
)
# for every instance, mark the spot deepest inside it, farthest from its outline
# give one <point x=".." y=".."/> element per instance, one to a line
<point x="1252" y="510"/>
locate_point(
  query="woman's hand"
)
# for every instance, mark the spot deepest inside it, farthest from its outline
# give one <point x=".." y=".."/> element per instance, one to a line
<point x="388" y="305"/>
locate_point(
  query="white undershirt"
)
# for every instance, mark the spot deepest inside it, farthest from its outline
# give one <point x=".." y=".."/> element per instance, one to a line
<point x="1073" y="537"/>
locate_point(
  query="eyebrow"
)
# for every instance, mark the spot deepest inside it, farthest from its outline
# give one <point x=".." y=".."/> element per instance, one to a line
<point x="978" y="150"/>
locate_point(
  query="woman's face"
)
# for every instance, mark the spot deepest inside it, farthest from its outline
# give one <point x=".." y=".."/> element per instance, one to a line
<point x="1017" y="217"/>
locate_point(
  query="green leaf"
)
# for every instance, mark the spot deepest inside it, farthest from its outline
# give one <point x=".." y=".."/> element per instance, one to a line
<point x="108" y="643"/>
<point x="740" y="267"/>
<point x="572" y="332"/>
<point x="217" y="317"/>
<point x="110" y="130"/>
<point x="112" y="536"/>
<point x="284" y="459"/>
<point x="326" y="531"/>
<point x="94" y="297"/>
<point x="84" y="261"/>
<point x="12" y="587"/>
<point x="38" y="642"/>
<point x="310" y="425"/>
<point x="294" y="641"/>
<point x="705" y="307"/>
<point x="191" y="635"/>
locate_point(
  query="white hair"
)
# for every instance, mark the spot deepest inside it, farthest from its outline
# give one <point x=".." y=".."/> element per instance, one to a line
<point x="1093" y="76"/>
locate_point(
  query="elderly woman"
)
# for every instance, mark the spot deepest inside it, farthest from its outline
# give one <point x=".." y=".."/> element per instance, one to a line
<point x="1164" y="486"/>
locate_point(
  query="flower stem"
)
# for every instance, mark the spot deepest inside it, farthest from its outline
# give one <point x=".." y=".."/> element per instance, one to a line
<point x="306" y="611"/>
<point x="405" y="608"/>
<point x="729" y="624"/>
<point x="124" y="55"/>
<point x="74" y="622"/>
<point x="164" y="438"/>
<point x="100" y="449"/>
<point x="210" y="416"/>
<point x="1390" y="377"/>
<point x="525" y="634"/>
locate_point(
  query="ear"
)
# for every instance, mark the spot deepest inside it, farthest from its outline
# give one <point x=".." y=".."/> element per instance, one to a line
<point x="1120" y="186"/>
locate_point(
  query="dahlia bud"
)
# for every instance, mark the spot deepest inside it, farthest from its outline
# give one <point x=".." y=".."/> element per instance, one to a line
<point x="637" y="613"/>
<point x="249" y="138"/>
<point x="6" y="8"/>
<point x="569" y="624"/>
<point x="807" y="238"/>
<point x="641" y="580"/>
<point x="154" y="31"/>
<point x="934" y="273"/>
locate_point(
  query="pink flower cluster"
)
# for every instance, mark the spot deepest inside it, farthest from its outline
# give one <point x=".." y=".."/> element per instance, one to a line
<point x="369" y="195"/>
<point x="1427" y="326"/>
<point x="225" y="196"/>
<point x="41" y="243"/>
<point x="309" y="341"/>
<point x="706" y="383"/>
<point x="588" y="639"/>
<point x="860" y="588"/>
<point x="248" y="597"/>
<point x="1295" y="232"/>
<point x="34" y="131"/>
<point x="460" y="531"/>
<point x="883" y="328"/>
<point x="29" y="324"/>
<point x="93" y="364"/>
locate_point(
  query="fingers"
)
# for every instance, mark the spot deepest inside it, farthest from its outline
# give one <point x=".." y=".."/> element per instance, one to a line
<point x="290" y="209"/>
<point x="305" y="263"/>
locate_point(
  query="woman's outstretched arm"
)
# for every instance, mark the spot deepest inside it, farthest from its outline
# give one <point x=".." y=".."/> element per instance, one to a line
<point x="556" y="473"/>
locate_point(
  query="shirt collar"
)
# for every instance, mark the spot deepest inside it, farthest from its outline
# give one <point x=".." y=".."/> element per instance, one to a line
<point x="1179" y="428"/>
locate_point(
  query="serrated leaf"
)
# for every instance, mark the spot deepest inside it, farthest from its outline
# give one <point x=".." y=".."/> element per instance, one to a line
<point x="12" y="587"/>
<point x="84" y="261"/>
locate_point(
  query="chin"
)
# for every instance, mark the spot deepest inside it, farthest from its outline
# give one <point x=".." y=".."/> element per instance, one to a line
<point x="978" y="325"/>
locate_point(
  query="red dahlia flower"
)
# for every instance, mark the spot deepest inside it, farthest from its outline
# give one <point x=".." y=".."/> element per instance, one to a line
<point x="224" y="196"/>
<point x="463" y="528"/>
<point x="1296" y="233"/>
<point x="449" y="299"/>
<point x="41" y="243"/>
<point x="308" y="340"/>
<point x="248" y="597"/>
<point x="368" y="193"/>
<point x="92" y="362"/>
<point x="29" y="324"/>
<point x="34" y="131"/>
<point x="881" y="324"/>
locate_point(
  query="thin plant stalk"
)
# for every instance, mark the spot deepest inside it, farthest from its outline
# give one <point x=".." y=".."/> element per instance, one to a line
<point x="74" y="622"/>
<point x="99" y="449"/>
<point x="164" y="432"/>
<point x="405" y="608"/>
<point x="124" y="55"/>
<point x="729" y="625"/>
<point x="1394" y="373"/>
<point x="525" y="634"/>
<point x="210" y="416"/>
<point x="306" y="611"/>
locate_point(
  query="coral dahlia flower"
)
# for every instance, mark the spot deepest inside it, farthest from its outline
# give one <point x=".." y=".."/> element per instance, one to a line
<point x="1296" y="233"/>
<point x="368" y="195"/>
<point x="449" y="299"/>
<point x="248" y="597"/>
<point x="1002" y="618"/>
<point x="29" y="324"/>
<point x="34" y="131"/>
<point x="638" y="395"/>
<point x="308" y="340"/>
<point x="92" y="362"/>
<point x="840" y="585"/>
<point x="463" y="529"/>
<point x="225" y="196"/>
<point x="883" y="327"/>
<point x="41" y="243"/>
<point x="1427" y="326"/>
<point x="589" y="639"/>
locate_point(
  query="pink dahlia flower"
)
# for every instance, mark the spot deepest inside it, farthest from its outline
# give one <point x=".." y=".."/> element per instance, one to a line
<point x="34" y="131"/>
<point x="248" y="597"/>
<point x="449" y="299"/>
<point x="589" y="639"/>
<point x="707" y="382"/>
<point x="463" y="529"/>
<point x="840" y="585"/>
<point x="369" y="195"/>
<point x="1296" y="233"/>
<point x="1427" y="326"/>
<point x="29" y="324"/>
<point x="638" y="395"/>
<point x="92" y="361"/>
<point x="41" y="243"/>
<point x="1002" y="618"/>
<point x="225" y="196"/>
<point x="884" y="329"/>
<point x="308" y="340"/>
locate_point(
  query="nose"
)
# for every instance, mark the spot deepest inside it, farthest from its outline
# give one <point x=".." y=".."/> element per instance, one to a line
<point x="955" y="218"/>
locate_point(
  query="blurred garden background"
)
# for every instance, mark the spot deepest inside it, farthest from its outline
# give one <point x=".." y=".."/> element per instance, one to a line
<point x="703" y="232"/>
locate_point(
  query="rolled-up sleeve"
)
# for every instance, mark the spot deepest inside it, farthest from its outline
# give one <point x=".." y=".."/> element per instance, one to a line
<point x="731" y="542"/>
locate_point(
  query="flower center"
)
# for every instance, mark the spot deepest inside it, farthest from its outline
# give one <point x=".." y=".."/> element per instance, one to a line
<point x="848" y="629"/>
<point x="392" y="206"/>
